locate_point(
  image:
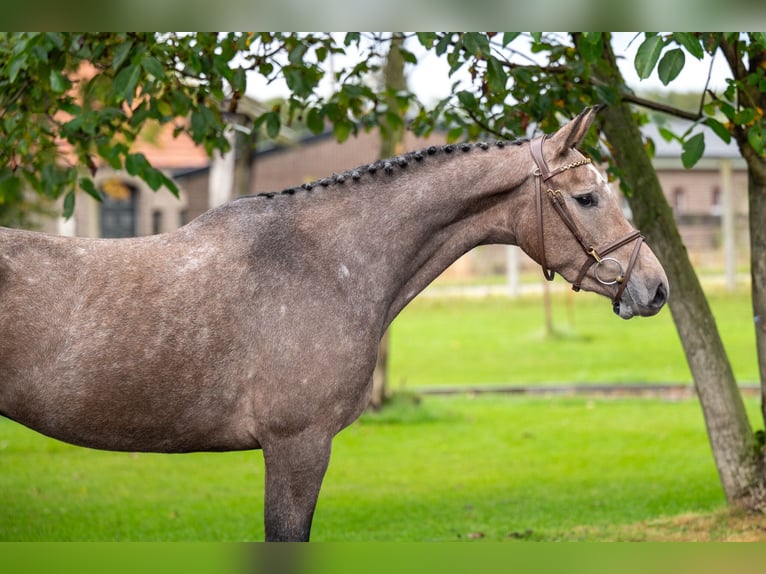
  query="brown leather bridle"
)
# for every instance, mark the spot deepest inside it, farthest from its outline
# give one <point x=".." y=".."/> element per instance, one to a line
<point x="595" y="256"/>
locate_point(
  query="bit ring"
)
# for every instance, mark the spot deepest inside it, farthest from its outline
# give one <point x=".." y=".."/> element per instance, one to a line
<point x="619" y="278"/>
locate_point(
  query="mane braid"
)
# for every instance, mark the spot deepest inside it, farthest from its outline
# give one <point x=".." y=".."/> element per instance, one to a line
<point x="388" y="166"/>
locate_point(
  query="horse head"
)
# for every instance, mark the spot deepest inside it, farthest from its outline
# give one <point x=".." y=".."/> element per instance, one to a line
<point x="581" y="231"/>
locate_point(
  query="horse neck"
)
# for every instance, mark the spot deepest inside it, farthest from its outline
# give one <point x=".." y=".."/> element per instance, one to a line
<point x="393" y="232"/>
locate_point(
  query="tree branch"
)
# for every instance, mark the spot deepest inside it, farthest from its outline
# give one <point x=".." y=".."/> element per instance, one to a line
<point x="660" y="107"/>
<point x="12" y="100"/>
<point x="707" y="83"/>
<point x="625" y="95"/>
<point x="481" y="123"/>
<point x="731" y="55"/>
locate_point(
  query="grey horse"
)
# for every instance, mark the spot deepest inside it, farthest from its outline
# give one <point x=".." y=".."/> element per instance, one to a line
<point x="256" y="326"/>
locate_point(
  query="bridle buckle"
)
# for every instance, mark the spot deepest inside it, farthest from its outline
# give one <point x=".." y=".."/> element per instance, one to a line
<point x="593" y="253"/>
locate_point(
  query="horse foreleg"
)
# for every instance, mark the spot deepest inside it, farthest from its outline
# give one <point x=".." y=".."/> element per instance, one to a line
<point x="295" y="467"/>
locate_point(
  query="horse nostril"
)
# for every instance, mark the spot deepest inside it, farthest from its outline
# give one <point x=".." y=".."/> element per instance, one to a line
<point x="660" y="296"/>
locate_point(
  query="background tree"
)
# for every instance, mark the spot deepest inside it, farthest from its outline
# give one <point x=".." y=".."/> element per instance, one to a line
<point x="509" y="90"/>
<point x="71" y="102"/>
<point x="734" y="445"/>
<point x="391" y="141"/>
<point x="736" y="112"/>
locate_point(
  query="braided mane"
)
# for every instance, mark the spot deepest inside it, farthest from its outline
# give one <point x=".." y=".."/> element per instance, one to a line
<point x="389" y="166"/>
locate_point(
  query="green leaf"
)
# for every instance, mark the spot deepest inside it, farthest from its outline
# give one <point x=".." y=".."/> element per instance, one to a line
<point x="153" y="67"/>
<point x="10" y="184"/>
<point x="476" y="44"/>
<point x="509" y="37"/>
<point x="592" y="37"/>
<point x="154" y="178"/>
<point x="496" y="75"/>
<point x="273" y="124"/>
<point x="648" y="54"/>
<point x="744" y="116"/>
<point x="17" y="64"/>
<point x="454" y="134"/>
<point x="68" y="204"/>
<point x="755" y="139"/>
<point x="342" y="130"/>
<point x="671" y="65"/>
<point x="199" y="125"/>
<point x="299" y="80"/>
<point x="443" y="44"/>
<point x="393" y="120"/>
<point x="691" y="43"/>
<point x="87" y="185"/>
<point x="120" y="54"/>
<point x="408" y="56"/>
<point x="651" y="149"/>
<point x="667" y="135"/>
<point x="315" y="120"/>
<point x="719" y="129"/>
<point x="171" y="185"/>
<point x="296" y="54"/>
<point x="592" y="51"/>
<point x="56" y="39"/>
<point x="59" y="83"/>
<point x="711" y="41"/>
<point x="126" y="82"/>
<point x="426" y="39"/>
<point x="728" y="110"/>
<point x="136" y="164"/>
<point x="239" y="80"/>
<point x="467" y="99"/>
<point x="352" y="38"/>
<point x="758" y="38"/>
<point x="112" y="153"/>
<point x="693" y="149"/>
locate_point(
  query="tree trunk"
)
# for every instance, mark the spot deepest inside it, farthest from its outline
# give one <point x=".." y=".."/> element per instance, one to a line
<point x="380" y="376"/>
<point x="244" y="146"/>
<point x="390" y="142"/>
<point x="749" y="94"/>
<point x="757" y="208"/>
<point x="734" y="446"/>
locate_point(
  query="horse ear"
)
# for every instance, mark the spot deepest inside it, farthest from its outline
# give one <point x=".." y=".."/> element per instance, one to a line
<point x="573" y="133"/>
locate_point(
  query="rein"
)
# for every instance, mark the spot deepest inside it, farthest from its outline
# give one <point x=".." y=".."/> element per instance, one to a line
<point x="595" y="256"/>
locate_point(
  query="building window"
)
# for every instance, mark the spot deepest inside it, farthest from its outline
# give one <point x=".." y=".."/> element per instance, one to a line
<point x="157" y="221"/>
<point x="118" y="209"/>
<point x="715" y="201"/>
<point x="679" y="201"/>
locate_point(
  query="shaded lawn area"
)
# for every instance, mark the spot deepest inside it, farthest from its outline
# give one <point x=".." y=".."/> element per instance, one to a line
<point x="442" y="342"/>
<point x="448" y="468"/>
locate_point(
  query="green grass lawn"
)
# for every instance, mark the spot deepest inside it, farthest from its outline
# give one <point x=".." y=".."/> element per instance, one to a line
<point x="451" y="468"/>
<point x="441" y="342"/>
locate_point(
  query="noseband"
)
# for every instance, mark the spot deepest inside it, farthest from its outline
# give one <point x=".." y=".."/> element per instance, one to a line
<point x="595" y="256"/>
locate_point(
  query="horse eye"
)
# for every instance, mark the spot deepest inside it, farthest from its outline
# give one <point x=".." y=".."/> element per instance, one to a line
<point x="587" y="200"/>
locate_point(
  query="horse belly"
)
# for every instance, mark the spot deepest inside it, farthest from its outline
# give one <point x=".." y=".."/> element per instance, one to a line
<point x="131" y="415"/>
<point x="124" y="389"/>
